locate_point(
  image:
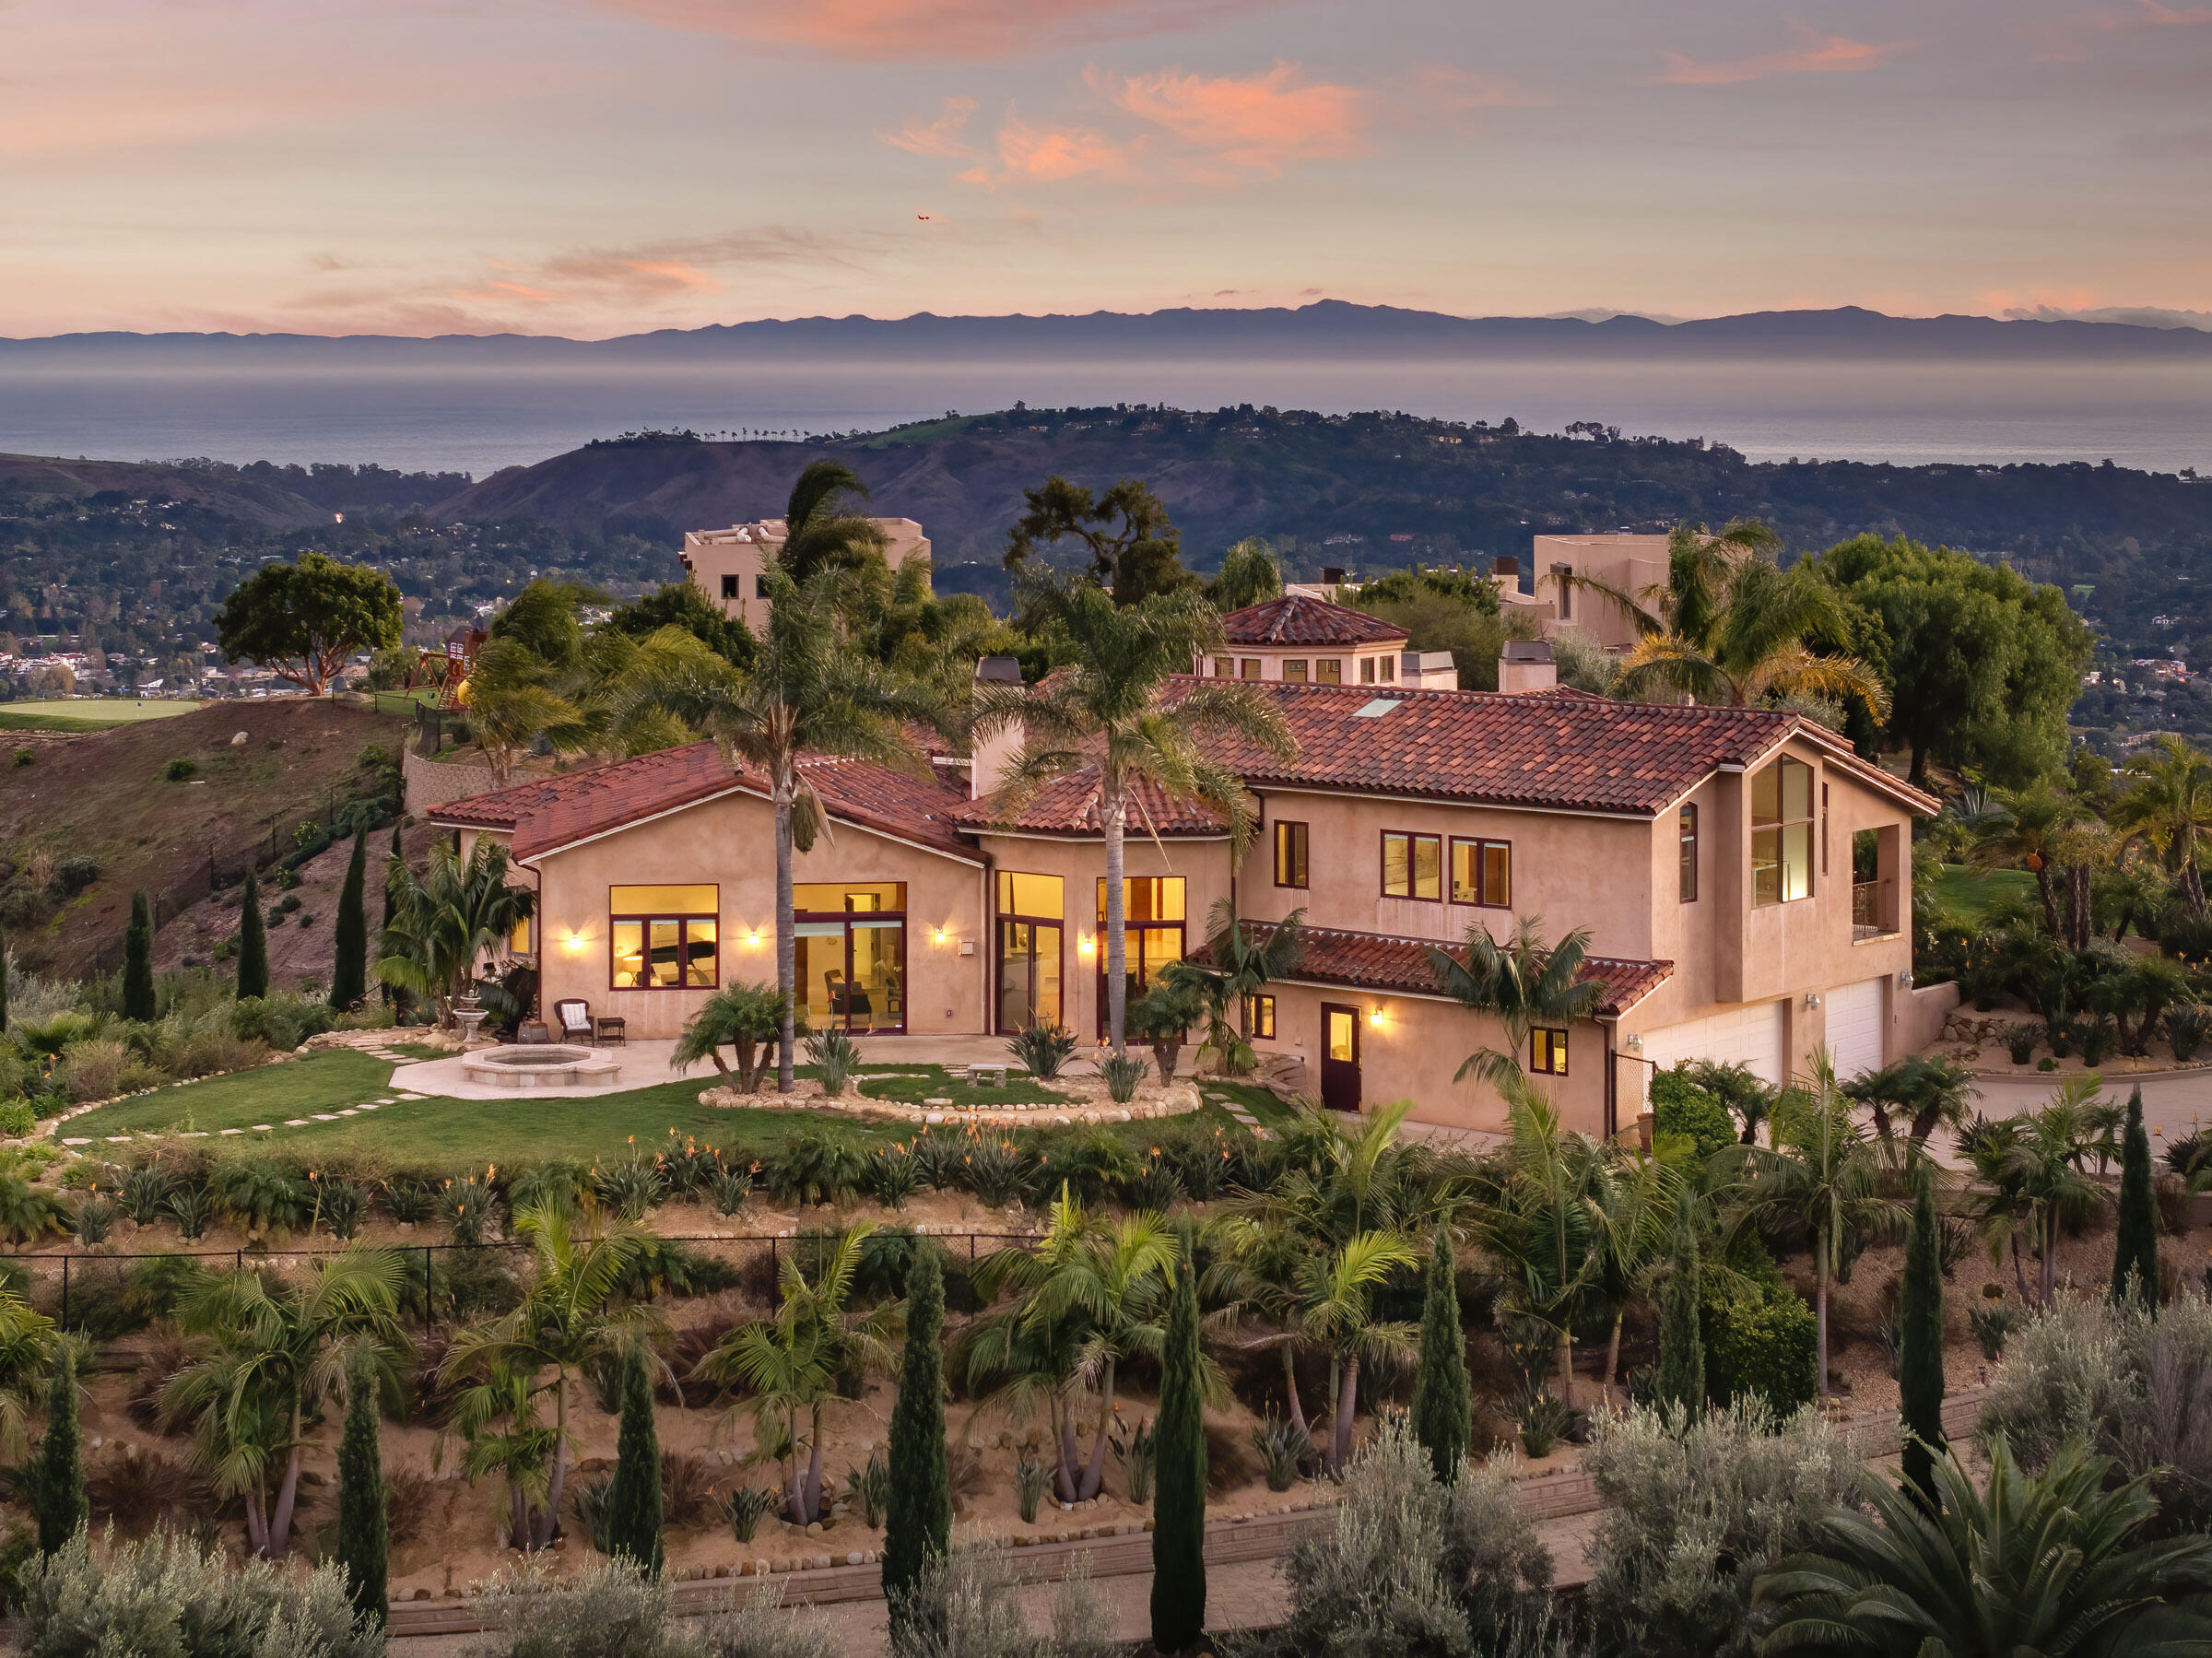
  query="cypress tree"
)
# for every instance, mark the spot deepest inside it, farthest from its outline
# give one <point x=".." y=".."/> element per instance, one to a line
<point x="348" y="977"/>
<point x="918" y="1524"/>
<point x="1444" y="1400"/>
<point x="138" y="961"/>
<point x="2" y="979"/>
<point x="58" y="1494"/>
<point x="1920" y="1346"/>
<point x="633" y="1502"/>
<point x="1681" y="1378"/>
<point x="2136" y="1260"/>
<point x="363" y="1522"/>
<point x="252" y="941"/>
<point x="392" y="997"/>
<point x="1179" y="1499"/>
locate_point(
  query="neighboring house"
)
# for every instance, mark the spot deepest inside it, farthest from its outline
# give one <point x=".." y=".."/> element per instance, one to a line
<point x="1745" y="878"/>
<point x="727" y="563"/>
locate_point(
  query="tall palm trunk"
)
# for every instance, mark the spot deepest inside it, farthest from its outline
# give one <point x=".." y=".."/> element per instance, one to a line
<point x="1113" y="810"/>
<point x="2193" y="885"/>
<point x="1298" y="1410"/>
<point x="288" y="1496"/>
<point x="795" y="1488"/>
<point x="2050" y="1241"/>
<point x="1347" y="1406"/>
<point x="1820" y="1317"/>
<point x="1094" y="1472"/>
<point x="548" y="1522"/>
<point x="1613" y="1350"/>
<point x="811" y="1488"/>
<point x="1064" y="1480"/>
<point x="257" y="1525"/>
<point x="786" y="947"/>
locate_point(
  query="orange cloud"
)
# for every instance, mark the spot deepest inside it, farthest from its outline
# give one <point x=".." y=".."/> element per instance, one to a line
<point x="1819" y="54"/>
<point x="1048" y="155"/>
<point x="1258" y="121"/>
<point x="938" y="137"/>
<point x="930" y="29"/>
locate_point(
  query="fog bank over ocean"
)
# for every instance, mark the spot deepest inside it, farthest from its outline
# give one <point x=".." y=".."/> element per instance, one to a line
<point x="2153" y="415"/>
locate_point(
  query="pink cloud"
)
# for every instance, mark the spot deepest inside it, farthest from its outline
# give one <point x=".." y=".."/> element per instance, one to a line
<point x="1257" y="121"/>
<point x="1818" y="55"/>
<point x="1048" y="155"/>
<point x="931" y="29"/>
<point x="938" y="137"/>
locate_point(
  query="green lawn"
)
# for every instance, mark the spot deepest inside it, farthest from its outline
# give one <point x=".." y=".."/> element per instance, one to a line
<point x="1969" y="893"/>
<point x="88" y="713"/>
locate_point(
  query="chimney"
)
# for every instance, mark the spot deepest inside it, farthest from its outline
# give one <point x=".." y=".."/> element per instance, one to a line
<point x="994" y="751"/>
<point x="1332" y="575"/>
<point x="1428" y="670"/>
<point x="1526" y="666"/>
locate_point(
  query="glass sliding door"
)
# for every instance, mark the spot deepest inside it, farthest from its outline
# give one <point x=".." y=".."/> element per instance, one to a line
<point x="1031" y="938"/>
<point x="1152" y="934"/>
<point x="850" y="956"/>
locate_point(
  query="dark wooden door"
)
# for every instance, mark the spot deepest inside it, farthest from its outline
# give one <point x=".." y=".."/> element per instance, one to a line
<point x="1339" y="1057"/>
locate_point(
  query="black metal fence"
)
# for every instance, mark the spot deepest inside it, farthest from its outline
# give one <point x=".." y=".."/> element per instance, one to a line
<point x="96" y="1290"/>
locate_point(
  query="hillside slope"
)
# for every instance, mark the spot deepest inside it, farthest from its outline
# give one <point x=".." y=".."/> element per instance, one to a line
<point x="105" y="797"/>
<point x="263" y="506"/>
<point x="1384" y="488"/>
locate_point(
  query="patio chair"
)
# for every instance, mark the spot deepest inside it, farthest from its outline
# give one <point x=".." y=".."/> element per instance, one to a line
<point x="572" y="1017"/>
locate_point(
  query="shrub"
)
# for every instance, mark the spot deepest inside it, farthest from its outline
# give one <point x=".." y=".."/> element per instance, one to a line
<point x="92" y="1069"/>
<point x="628" y="1188"/>
<point x="891" y="1175"/>
<point x="1409" y="1565"/>
<point x="95" y="1221"/>
<point x="180" y="769"/>
<point x="1992" y="1324"/>
<point x="1680" y="1107"/>
<point x="617" y="1611"/>
<point x="729" y="1190"/>
<point x="2021" y="1041"/>
<point x="470" y="1208"/>
<point x="812" y="1166"/>
<point x="997" y="1172"/>
<point x="28" y="1213"/>
<point x="2187" y="1028"/>
<point x="2130" y="1381"/>
<point x="1696" y="1507"/>
<point x="169" y="1595"/>
<point x="17" y="1119"/>
<point x="192" y="1210"/>
<point x="1285" y="1448"/>
<point x="966" y="1605"/>
<point x="1043" y="1048"/>
<point x="1759" y="1339"/>
<point x="345" y="1206"/>
<point x="72" y="876"/>
<point x="1123" y="1073"/>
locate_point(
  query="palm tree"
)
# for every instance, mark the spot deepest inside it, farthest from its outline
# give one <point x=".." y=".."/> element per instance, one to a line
<point x="1335" y="1292"/>
<point x="2035" y="829"/>
<point x="573" y="1313"/>
<point x="2170" y="810"/>
<point x="1257" y="1275"/>
<point x="741" y="1017"/>
<point x="1239" y="962"/>
<point x="2038" y="1563"/>
<point x="27" y="1340"/>
<point x="1100" y="1286"/>
<point x="1821" y="1173"/>
<point x="1522" y="983"/>
<point x="1929" y="1092"/>
<point x="443" y="921"/>
<point x="1730" y="627"/>
<point x="806" y="693"/>
<point x="503" y="1431"/>
<point x="2031" y="1170"/>
<point x="794" y="1362"/>
<point x="263" y="1360"/>
<point x="1636" y="1218"/>
<point x="819" y="532"/>
<point x="1550" y="1224"/>
<point x="1106" y="709"/>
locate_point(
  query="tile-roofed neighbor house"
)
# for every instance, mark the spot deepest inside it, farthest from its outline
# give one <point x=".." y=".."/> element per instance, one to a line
<point x="1300" y="620"/>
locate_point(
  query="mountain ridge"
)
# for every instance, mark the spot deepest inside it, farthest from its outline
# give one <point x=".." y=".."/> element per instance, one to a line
<point x="1324" y="330"/>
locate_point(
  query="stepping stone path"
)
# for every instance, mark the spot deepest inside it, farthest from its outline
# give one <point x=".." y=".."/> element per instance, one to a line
<point x="327" y="1117"/>
<point x="295" y="1122"/>
<point x="1236" y="1108"/>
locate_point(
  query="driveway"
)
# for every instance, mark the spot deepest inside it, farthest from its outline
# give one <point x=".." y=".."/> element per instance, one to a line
<point x="2175" y="1103"/>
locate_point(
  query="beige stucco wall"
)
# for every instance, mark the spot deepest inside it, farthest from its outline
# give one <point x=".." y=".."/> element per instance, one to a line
<point x="731" y="842"/>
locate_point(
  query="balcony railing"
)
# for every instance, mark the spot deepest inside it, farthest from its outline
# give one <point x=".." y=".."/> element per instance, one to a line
<point x="1872" y="910"/>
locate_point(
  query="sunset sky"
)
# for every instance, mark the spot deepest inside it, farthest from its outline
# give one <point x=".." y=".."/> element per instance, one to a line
<point x="597" y="167"/>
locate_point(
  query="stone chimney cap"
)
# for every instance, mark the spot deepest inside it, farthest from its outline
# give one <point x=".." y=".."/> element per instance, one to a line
<point x="1526" y="649"/>
<point x="999" y="670"/>
<point x="1505" y="564"/>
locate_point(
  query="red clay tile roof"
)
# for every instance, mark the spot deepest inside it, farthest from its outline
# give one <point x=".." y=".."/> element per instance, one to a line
<point x="550" y="813"/>
<point x="1297" y="619"/>
<point x="1069" y="805"/>
<point x="1378" y="961"/>
<point x="1571" y="753"/>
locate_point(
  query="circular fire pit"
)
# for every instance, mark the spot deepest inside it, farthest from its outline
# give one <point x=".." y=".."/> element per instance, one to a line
<point x="540" y="1066"/>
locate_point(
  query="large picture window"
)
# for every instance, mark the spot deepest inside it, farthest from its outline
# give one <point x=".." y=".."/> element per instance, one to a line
<point x="1782" y="833"/>
<point x="851" y="950"/>
<point x="1482" y="873"/>
<point x="1153" y="912"/>
<point x="1030" y="957"/>
<point x="664" y="937"/>
<point x="1413" y="865"/>
<point x="1289" y="854"/>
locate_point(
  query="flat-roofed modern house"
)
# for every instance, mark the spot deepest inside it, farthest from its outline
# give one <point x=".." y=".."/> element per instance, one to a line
<point x="726" y="564"/>
<point x="1745" y="878"/>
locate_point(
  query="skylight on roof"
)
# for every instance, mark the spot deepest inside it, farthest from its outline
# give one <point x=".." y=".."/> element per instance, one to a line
<point x="1377" y="709"/>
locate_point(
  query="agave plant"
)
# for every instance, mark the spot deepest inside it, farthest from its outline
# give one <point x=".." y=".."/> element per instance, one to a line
<point x="869" y="1489"/>
<point x="145" y="1192"/>
<point x="1043" y="1048"/>
<point x="1137" y="1450"/>
<point x="1285" y="1449"/>
<point x="745" y="1508"/>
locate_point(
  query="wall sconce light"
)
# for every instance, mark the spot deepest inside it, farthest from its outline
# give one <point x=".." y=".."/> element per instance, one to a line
<point x="940" y="934"/>
<point x="1904" y="978"/>
<point x="1635" y="1041"/>
<point x="574" y="940"/>
<point x="1085" y="944"/>
<point x="753" y="938"/>
<point x="1376" y="1017"/>
<point x="1812" y="998"/>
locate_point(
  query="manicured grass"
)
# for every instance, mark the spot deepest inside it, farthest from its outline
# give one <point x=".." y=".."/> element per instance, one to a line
<point x="90" y="714"/>
<point x="1969" y="893"/>
<point x="1270" y="1112"/>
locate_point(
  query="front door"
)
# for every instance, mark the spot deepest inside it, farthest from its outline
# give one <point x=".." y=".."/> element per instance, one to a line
<point x="1339" y="1057"/>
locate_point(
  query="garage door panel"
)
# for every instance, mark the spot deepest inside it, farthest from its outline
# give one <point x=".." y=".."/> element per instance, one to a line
<point x="1855" y="1029"/>
<point x="1750" y="1036"/>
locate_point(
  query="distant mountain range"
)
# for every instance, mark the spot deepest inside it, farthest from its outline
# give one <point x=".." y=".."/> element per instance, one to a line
<point x="1324" y="331"/>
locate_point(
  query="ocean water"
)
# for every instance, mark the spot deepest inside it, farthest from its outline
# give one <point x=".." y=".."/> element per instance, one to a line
<point x="2158" y="419"/>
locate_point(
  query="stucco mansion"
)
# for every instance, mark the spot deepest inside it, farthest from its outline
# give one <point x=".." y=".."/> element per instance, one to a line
<point x="1744" y="877"/>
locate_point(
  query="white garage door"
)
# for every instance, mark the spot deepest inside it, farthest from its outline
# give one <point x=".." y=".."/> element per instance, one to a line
<point x="1750" y="1037"/>
<point x="1855" y="1029"/>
